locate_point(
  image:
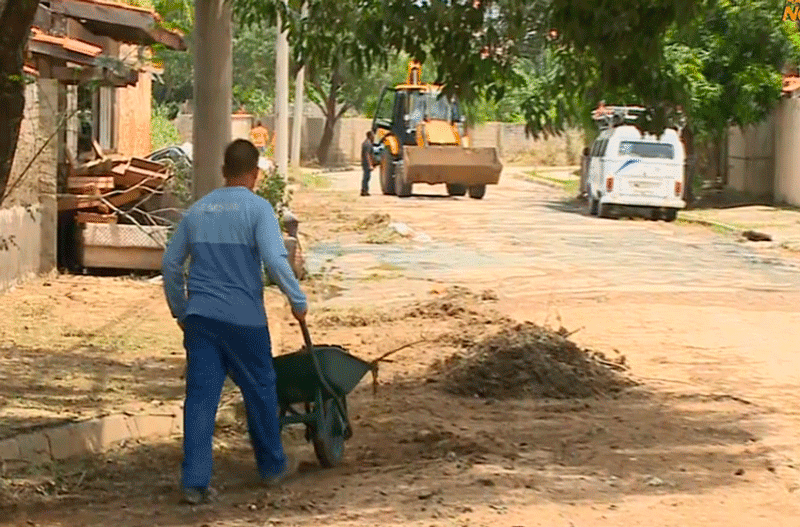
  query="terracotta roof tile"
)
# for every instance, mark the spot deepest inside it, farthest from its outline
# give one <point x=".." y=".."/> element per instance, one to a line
<point x="791" y="83"/>
<point x="70" y="44"/>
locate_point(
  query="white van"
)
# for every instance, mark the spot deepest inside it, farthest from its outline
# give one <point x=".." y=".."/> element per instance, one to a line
<point x="631" y="169"/>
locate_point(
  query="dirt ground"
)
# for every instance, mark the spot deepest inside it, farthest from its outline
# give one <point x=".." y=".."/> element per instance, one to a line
<point x="706" y="435"/>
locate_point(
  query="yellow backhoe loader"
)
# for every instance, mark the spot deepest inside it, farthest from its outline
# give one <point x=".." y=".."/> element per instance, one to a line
<point x="420" y="137"/>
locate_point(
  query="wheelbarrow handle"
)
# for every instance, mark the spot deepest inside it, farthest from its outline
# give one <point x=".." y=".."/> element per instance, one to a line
<point x="306" y="334"/>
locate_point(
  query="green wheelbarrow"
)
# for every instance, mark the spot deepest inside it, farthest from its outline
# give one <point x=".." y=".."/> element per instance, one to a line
<point x="312" y="387"/>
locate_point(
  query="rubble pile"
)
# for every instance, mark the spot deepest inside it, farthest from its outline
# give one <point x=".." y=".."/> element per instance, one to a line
<point x="527" y="360"/>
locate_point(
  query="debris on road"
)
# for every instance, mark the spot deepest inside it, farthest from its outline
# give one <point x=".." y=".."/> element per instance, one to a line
<point x="527" y="360"/>
<point x="755" y="236"/>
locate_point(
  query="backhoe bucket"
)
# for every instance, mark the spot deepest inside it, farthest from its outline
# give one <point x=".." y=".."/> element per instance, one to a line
<point x="451" y="164"/>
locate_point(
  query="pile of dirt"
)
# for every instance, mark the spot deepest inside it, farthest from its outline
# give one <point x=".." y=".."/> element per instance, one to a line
<point x="457" y="302"/>
<point x="375" y="221"/>
<point x="351" y="318"/>
<point x="527" y="360"/>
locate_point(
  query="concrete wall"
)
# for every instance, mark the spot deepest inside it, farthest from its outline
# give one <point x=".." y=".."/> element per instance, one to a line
<point x="751" y="157"/>
<point x="787" y="143"/>
<point x="514" y="146"/>
<point x="28" y="215"/>
<point x="350" y="131"/>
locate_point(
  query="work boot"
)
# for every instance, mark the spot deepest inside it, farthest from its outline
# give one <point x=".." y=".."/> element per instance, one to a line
<point x="288" y="471"/>
<point x="365" y="193"/>
<point x="197" y="495"/>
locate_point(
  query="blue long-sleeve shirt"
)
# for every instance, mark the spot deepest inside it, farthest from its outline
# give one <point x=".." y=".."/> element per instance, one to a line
<point x="227" y="236"/>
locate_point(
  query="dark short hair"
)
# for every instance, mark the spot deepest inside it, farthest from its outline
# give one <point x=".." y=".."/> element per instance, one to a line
<point x="258" y="123"/>
<point x="241" y="157"/>
<point x="370" y="133"/>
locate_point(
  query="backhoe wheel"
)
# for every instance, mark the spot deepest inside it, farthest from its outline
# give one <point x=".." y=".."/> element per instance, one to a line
<point x="477" y="191"/>
<point x="454" y="189"/>
<point x="401" y="186"/>
<point x="387" y="178"/>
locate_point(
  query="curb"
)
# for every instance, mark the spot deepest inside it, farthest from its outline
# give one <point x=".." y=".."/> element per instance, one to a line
<point x="708" y="223"/>
<point x="93" y="436"/>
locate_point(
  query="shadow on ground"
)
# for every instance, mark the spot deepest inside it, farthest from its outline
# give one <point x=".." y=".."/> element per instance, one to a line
<point x="47" y="387"/>
<point x="423" y="454"/>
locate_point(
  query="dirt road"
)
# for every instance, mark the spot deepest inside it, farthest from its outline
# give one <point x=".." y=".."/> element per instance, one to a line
<point x="706" y="325"/>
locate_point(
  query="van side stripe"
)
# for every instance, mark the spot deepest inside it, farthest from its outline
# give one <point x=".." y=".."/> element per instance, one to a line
<point x="626" y="164"/>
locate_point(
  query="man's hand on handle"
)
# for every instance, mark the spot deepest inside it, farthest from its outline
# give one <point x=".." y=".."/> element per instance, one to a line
<point x="300" y="315"/>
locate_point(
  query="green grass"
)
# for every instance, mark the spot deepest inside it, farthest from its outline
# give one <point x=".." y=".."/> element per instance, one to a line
<point x="569" y="186"/>
<point x="315" y="180"/>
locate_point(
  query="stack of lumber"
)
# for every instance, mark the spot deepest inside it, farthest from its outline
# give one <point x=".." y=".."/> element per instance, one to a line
<point x="108" y="197"/>
<point x="102" y="189"/>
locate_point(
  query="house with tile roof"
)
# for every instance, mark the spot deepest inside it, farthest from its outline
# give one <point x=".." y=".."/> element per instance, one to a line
<point x="88" y="82"/>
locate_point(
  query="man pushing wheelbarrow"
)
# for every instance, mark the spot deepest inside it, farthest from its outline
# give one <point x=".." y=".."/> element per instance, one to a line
<point x="229" y="234"/>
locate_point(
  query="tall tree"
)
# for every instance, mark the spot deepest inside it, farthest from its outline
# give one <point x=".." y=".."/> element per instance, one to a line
<point x="16" y="18"/>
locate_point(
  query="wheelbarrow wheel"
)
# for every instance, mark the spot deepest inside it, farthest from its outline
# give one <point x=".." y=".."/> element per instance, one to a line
<point x="329" y="435"/>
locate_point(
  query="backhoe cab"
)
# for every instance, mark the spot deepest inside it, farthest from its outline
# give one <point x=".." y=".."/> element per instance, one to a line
<point x="420" y="137"/>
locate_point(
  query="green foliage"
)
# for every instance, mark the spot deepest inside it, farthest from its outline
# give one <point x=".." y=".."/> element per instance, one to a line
<point x="162" y="130"/>
<point x="273" y="188"/>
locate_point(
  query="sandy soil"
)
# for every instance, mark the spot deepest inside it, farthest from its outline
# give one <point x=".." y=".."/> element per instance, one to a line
<point x="707" y="437"/>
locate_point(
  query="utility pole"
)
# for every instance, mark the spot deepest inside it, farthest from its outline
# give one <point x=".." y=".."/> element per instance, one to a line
<point x="297" y="118"/>
<point x="212" y="94"/>
<point x="282" y="101"/>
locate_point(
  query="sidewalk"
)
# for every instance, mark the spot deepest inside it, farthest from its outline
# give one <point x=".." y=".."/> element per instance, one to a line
<point x="781" y="224"/>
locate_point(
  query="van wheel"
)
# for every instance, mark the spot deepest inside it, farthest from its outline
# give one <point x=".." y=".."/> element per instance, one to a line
<point x="604" y="210"/>
<point x="592" y="205"/>
<point x="670" y="215"/>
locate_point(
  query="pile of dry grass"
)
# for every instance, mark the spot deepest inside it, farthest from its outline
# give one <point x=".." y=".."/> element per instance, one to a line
<point x="527" y="360"/>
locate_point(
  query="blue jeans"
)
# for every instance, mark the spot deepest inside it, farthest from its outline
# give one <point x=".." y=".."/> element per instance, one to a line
<point x="215" y="349"/>
<point x="365" y="178"/>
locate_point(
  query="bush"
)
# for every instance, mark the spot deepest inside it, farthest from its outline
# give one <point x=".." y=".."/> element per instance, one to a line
<point x="162" y="131"/>
<point x="274" y="189"/>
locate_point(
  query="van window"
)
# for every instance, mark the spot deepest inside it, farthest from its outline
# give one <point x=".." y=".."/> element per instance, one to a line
<point x="594" y="148"/>
<point x="602" y="149"/>
<point x="645" y="149"/>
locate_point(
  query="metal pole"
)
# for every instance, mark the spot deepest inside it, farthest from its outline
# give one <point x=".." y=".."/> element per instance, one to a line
<point x="212" y="94"/>
<point x="282" y="101"/>
<point x="297" y="118"/>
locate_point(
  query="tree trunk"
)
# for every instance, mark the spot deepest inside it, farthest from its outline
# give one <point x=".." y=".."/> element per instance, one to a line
<point x="16" y="18"/>
<point x="330" y="121"/>
<point x="688" y="143"/>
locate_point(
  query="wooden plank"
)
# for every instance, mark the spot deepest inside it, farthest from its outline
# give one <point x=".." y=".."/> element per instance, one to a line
<point x="134" y="258"/>
<point x="133" y="176"/>
<point x="126" y="197"/>
<point x="94" y="217"/>
<point x="79" y="184"/>
<point x="98" y="150"/>
<point x="75" y="202"/>
<point x="98" y="167"/>
<point x="146" y="164"/>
